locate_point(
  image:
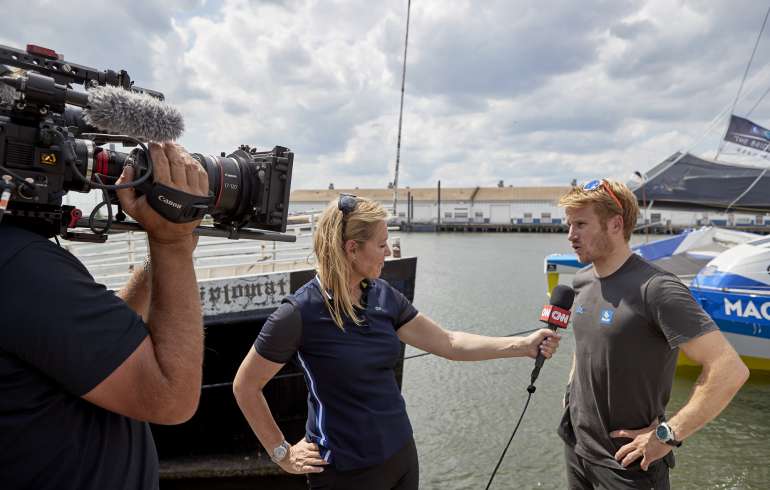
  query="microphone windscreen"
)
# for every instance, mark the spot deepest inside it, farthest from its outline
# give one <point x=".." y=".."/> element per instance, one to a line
<point x="119" y="111"/>
<point x="562" y="296"/>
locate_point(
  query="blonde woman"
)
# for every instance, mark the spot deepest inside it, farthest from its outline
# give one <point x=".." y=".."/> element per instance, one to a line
<point x="344" y="329"/>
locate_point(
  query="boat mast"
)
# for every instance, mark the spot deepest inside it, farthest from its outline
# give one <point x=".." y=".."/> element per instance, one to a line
<point x="401" y="112"/>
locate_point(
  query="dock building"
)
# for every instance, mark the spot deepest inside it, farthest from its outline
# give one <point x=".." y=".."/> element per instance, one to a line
<point x="508" y="209"/>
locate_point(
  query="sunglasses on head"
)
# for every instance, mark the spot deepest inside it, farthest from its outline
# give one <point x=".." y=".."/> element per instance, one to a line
<point x="347" y="203"/>
<point x="597" y="184"/>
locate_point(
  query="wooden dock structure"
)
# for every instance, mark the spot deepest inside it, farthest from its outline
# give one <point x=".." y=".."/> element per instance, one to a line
<point x="549" y="228"/>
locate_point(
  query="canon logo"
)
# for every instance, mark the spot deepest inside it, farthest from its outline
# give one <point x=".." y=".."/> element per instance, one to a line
<point x="169" y="202"/>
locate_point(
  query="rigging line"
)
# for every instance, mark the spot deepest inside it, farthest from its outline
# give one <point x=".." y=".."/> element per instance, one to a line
<point x="401" y="111"/>
<point x="762" y="174"/>
<point x="712" y="125"/>
<point x="757" y="102"/>
<point x="745" y="74"/>
<point x="716" y="121"/>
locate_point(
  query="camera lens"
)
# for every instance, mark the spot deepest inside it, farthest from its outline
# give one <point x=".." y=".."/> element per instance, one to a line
<point x="227" y="184"/>
<point x="249" y="188"/>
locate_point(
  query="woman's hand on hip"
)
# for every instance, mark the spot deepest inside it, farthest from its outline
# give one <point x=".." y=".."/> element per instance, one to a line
<point x="303" y="457"/>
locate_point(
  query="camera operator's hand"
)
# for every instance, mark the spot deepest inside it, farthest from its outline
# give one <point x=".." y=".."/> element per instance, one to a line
<point x="174" y="167"/>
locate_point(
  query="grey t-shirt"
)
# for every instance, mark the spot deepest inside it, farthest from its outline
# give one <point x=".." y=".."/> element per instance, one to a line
<point x="628" y="327"/>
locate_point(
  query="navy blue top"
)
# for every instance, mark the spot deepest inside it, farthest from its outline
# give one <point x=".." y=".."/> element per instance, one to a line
<point x="356" y="413"/>
<point x="61" y="335"/>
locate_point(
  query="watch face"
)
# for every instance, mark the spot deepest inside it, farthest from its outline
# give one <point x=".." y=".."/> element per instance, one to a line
<point x="662" y="433"/>
<point x="279" y="453"/>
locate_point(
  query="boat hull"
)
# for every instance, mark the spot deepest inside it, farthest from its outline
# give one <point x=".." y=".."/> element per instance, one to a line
<point x="744" y="319"/>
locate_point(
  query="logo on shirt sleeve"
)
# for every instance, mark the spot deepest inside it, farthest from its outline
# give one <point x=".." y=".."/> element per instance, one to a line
<point x="606" y="317"/>
<point x="579" y="310"/>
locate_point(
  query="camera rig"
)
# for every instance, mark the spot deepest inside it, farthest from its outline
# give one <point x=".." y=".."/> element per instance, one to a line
<point x="47" y="149"/>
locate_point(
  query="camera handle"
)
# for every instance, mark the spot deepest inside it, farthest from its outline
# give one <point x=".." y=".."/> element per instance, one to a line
<point x="233" y="233"/>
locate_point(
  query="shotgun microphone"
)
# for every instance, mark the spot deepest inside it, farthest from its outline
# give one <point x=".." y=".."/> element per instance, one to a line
<point x="556" y="315"/>
<point x="120" y="111"/>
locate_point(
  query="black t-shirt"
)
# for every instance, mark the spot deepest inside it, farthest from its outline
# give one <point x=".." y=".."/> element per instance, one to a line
<point x="356" y="413"/>
<point x="61" y="334"/>
<point x="628" y="327"/>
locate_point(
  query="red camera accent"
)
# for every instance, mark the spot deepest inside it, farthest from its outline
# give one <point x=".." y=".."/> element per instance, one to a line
<point x="75" y="215"/>
<point x="102" y="158"/>
<point x="555" y="316"/>
<point x="41" y="51"/>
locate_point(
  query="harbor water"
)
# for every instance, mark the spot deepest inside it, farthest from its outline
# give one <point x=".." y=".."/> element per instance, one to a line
<point x="464" y="413"/>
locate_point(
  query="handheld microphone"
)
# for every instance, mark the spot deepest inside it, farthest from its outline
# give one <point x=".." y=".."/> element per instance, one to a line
<point x="119" y="111"/>
<point x="556" y="315"/>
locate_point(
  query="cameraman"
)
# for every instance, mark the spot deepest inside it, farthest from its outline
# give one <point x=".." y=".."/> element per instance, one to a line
<point x="81" y="373"/>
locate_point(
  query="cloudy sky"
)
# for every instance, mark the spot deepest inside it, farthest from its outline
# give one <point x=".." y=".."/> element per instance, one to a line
<point x="530" y="92"/>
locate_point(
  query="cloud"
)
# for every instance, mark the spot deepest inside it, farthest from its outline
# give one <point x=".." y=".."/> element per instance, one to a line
<point x="512" y="90"/>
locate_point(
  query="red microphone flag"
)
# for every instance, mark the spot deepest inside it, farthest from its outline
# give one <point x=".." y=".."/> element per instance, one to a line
<point x="555" y="316"/>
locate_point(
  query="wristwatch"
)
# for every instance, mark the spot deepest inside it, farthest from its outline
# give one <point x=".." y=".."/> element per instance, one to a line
<point x="279" y="453"/>
<point x="665" y="434"/>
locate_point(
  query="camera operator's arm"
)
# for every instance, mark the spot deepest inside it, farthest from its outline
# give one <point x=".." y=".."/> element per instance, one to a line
<point x="160" y="381"/>
<point x="136" y="292"/>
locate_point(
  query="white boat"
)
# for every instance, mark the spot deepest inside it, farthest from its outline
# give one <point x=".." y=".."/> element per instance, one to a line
<point x="734" y="289"/>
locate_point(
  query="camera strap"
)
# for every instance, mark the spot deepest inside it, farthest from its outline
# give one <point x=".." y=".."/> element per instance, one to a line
<point x="175" y="205"/>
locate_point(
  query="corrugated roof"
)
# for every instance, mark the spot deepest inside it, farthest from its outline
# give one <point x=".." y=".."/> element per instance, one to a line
<point x="482" y="194"/>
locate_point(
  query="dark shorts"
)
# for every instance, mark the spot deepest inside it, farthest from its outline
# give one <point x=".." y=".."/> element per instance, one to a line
<point x="584" y="475"/>
<point x="400" y="472"/>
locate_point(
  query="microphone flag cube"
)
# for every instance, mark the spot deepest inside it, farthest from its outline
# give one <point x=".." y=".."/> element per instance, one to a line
<point x="554" y="315"/>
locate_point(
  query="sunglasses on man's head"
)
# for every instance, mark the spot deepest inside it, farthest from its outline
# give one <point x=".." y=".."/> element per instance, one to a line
<point x="597" y="184"/>
<point x="347" y="203"/>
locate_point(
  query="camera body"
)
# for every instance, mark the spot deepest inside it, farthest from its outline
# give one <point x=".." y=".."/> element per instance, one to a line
<point x="47" y="149"/>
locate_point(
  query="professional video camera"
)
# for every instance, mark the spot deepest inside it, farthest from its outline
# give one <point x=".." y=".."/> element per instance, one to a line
<point x="50" y="143"/>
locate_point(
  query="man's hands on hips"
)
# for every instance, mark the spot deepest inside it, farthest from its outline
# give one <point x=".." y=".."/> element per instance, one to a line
<point x="543" y="341"/>
<point x="174" y="167"/>
<point x="644" y="444"/>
